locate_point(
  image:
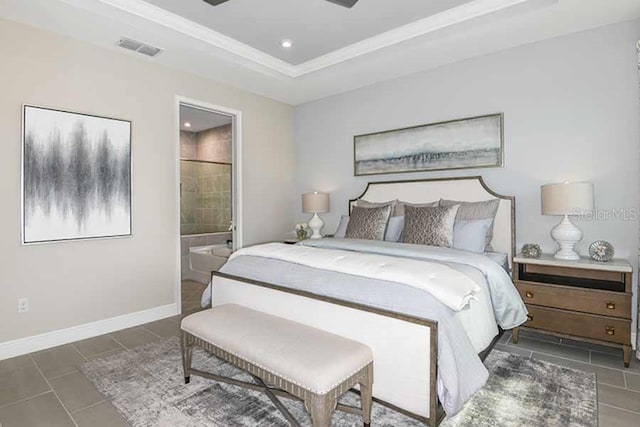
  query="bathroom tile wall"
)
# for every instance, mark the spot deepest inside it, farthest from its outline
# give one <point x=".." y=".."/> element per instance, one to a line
<point x="213" y="197"/>
<point x="214" y="145"/>
<point x="205" y="204"/>
<point x="187" y="145"/>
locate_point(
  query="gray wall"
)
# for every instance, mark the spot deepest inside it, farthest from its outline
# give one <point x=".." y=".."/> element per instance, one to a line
<point x="571" y="113"/>
<point x="74" y="283"/>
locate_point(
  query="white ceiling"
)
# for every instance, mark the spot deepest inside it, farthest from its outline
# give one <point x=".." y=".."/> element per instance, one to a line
<point x="316" y="27"/>
<point x="473" y="28"/>
<point x="201" y="119"/>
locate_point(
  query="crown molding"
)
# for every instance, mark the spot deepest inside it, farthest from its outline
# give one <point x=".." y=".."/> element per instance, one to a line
<point x="447" y="18"/>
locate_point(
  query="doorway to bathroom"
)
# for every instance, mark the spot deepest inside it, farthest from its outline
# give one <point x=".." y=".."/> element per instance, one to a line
<point x="209" y="227"/>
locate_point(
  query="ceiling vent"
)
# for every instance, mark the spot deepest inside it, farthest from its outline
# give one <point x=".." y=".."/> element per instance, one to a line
<point x="137" y="46"/>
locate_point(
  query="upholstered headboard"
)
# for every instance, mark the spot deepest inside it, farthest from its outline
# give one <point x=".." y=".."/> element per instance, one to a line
<point x="468" y="188"/>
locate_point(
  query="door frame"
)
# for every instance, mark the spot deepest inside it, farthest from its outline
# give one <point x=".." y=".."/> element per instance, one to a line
<point x="236" y="177"/>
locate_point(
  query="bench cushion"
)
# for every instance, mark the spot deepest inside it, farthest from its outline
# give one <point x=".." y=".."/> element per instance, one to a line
<point x="313" y="359"/>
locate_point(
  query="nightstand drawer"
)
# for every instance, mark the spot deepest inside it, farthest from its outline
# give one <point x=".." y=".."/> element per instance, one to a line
<point x="580" y="324"/>
<point x="615" y="304"/>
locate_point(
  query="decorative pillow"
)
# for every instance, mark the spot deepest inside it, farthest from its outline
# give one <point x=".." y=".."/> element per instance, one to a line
<point x="342" y="227"/>
<point x="361" y="203"/>
<point x="431" y="226"/>
<point x="400" y="206"/>
<point x="476" y="210"/>
<point x="471" y="235"/>
<point x="394" y="229"/>
<point x="393" y="233"/>
<point x="368" y="223"/>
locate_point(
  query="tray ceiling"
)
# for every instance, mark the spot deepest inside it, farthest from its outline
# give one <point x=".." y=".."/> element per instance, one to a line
<point x="316" y="27"/>
<point x="470" y="29"/>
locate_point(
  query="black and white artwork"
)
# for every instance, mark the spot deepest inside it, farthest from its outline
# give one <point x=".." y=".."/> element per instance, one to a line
<point x="76" y="176"/>
<point x="474" y="142"/>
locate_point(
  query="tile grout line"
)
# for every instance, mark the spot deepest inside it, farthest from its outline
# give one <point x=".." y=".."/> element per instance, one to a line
<point x="623" y="388"/>
<point x="623" y="370"/>
<point x="124" y="346"/>
<point x="54" y="392"/>
<point x="24" y="399"/>
<point x="79" y="352"/>
<point x="619" y="408"/>
<point x="66" y="374"/>
<point x="102" y="353"/>
<point x="90" y="406"/>
<point x="151" y="332"/>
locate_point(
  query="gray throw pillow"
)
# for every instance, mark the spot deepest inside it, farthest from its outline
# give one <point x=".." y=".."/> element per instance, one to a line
<point x="393" y="233"/>
<point x="368" y="223"/>
<point x="431" y="226"/>
<point x="476" y="210"/>
<point x="361" y="203"/>
<point x="399" y="211"/>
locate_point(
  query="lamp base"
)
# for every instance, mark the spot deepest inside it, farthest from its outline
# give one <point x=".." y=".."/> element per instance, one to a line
<point x="566" y="234"/>
<point x="316" y="224"/>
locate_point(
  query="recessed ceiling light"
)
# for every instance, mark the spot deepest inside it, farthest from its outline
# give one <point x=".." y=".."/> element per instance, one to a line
<point x="286" y="43"/>
<point x="187" y="124"/>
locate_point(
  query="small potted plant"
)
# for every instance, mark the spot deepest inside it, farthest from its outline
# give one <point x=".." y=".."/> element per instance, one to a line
<point x="302" y="230"/>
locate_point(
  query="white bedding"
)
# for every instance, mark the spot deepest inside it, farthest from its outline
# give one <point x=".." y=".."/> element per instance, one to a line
<point x="451" y="287"/>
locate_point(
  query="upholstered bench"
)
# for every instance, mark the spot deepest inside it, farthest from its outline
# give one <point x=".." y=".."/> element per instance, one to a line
<point x="285" y="358"/>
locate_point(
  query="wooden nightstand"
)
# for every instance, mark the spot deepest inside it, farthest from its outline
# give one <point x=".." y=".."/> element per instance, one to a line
<point x="584" y="299"/>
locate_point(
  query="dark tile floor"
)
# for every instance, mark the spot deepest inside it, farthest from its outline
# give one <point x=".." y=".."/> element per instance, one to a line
<point x="46" y="389"/>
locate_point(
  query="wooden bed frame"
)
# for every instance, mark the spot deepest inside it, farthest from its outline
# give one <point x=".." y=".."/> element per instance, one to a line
<point x="396" y="339"/>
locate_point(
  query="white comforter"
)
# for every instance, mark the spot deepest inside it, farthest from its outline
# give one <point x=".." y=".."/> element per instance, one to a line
<point x="452" y="288"/>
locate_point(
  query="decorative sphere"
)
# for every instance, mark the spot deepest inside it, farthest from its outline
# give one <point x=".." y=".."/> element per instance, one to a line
<point x="531" y="250"/>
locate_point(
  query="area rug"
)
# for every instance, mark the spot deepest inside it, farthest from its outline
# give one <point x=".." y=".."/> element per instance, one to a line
<point x="146" y="386"/>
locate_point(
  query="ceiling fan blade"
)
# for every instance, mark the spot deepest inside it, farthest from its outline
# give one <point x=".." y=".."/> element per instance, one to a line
<point x="214" y="2"/>
<point x="345" y="3"/>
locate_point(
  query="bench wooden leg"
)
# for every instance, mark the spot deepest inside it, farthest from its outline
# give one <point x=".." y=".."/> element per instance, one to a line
<point x="366" y="396"/>
<point x="187" y="352"/>
<point x="516" y="335"/>
<point x="321" y="408"/>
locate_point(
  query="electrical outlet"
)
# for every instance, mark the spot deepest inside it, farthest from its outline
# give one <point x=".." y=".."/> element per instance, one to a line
<point x="23" y="305"/>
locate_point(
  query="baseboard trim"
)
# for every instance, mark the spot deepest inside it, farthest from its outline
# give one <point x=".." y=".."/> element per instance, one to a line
<point x="88" y="330"/>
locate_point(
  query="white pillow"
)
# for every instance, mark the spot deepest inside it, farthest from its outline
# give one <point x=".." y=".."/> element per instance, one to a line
<point x="471" y="235"/>
<point x="342" y="227"/>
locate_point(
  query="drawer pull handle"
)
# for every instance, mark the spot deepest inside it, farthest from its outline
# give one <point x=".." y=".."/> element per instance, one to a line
<point x="528" y="294"/>
<point x="610" y="330"/>
<point x="529" y="316"/>
<point x="611" y="305"/>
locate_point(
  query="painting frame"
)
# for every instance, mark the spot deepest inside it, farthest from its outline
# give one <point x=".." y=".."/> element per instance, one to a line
<point x="129" y="168"/>
<point x="498" y="164"/>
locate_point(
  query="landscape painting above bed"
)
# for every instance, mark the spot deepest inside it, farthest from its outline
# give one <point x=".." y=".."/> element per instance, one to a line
<point x="474" y="142"/>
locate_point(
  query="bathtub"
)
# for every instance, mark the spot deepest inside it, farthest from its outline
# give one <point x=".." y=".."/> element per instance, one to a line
<point x="206" y="259"/>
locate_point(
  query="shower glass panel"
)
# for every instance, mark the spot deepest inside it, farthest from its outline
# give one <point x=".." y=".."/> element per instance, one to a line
<point x="205" y="202"/>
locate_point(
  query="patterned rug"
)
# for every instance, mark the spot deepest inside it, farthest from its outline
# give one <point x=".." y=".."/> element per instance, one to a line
<point x="146" y="385"/>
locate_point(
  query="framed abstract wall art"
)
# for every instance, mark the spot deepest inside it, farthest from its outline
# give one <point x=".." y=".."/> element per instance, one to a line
<point x="76" y="176"/>
<point x="474" y="142"/>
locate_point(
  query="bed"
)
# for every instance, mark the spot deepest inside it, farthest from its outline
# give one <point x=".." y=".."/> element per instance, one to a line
<point x="427" y="353"/>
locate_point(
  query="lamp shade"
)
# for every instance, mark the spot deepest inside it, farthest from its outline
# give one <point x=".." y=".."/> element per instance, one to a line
<point x="315" y="202"/>
<point x="566" y="198"/>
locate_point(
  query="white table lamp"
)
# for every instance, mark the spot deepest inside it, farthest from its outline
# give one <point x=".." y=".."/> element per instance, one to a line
<point x="570" y="198"/>
<point x="315" y="203"/>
